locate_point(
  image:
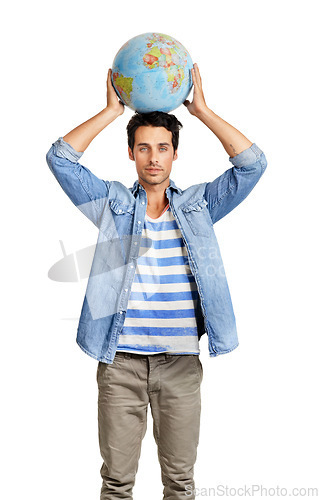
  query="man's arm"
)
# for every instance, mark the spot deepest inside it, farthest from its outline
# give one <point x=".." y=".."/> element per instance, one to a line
<point x="81" y="136"/>
<point x="233" y="141"/>
<point x="86" y="191"/>
<point x="249" y="161"/>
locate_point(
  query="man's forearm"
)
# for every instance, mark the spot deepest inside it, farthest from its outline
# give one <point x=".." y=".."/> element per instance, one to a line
<point x="233" y="141"/>
<point x="83" y="135"/>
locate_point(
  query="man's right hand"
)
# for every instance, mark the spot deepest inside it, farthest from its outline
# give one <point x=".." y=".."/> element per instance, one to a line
<point x="112" y="100"/>
<point x="80" y="137"/>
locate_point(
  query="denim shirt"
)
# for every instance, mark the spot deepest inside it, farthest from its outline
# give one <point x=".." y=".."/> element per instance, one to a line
<point x="118" y="212"/>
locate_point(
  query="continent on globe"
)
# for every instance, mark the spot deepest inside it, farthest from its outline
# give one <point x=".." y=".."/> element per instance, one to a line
<point x="152" y="72"/>
<point x="124" y="86"/>
<point x="170" y="61"/>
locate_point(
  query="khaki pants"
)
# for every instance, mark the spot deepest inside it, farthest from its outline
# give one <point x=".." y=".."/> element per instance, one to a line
<point x="171" y="384"/>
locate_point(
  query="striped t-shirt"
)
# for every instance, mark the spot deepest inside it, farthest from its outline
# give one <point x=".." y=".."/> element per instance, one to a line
<point x="160" y="314"/>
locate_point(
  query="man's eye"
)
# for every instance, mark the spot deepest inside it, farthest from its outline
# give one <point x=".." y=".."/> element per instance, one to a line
<point x="164" y="149"/>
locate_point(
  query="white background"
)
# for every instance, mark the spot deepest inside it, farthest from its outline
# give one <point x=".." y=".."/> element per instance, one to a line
<point x="258" y="61"/>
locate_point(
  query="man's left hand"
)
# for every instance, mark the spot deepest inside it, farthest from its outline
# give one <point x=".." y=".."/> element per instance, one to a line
<point x="198" y="105"/>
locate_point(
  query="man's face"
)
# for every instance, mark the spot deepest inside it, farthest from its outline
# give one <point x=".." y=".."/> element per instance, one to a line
<point x="153" y="154"/>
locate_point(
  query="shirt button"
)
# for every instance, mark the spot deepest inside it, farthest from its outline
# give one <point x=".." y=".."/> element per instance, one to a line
<point x="120" y="211"/>
<point x="143" y="202"/>
<point x="121" y="312"/>
<point x="139" y="222"/>
<point x="126" y="289"/>
<point x="135" y="243"/>
<point x="131" y="266"/>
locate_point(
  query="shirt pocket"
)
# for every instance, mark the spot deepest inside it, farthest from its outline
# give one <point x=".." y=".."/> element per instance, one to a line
<point x="120" y="208"/>
<point x="118" y="220"/>
<point x="197" y="216"/>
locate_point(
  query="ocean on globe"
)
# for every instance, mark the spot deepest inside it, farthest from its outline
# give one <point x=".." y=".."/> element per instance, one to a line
<point x="152" y="72"/>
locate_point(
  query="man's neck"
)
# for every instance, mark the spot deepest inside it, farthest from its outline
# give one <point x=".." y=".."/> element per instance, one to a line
<point x="156" y="198"/>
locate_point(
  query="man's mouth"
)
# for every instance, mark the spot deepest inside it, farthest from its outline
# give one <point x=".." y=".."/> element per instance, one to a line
<point x="153" y="170"/>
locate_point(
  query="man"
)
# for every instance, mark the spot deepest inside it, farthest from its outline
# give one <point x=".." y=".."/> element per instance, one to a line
<point x="157" y="284"/>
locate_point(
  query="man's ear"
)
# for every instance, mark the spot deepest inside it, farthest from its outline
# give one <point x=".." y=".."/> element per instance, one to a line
<point x="130" y="154"/>
<point x="175" y="155"/>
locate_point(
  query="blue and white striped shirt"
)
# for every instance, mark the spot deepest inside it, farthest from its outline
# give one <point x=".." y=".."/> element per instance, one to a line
<point x="160" y="315"/>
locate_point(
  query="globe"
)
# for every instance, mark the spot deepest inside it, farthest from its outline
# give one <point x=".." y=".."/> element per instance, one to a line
<point x="152" y="72"/>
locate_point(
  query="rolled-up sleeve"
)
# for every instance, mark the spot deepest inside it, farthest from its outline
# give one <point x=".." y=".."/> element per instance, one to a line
<point x="233" y="186"/>
<point x="88" y="193"/>
<point x="65" y="150"/>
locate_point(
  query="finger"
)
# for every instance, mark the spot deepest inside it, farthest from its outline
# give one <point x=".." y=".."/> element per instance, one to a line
<point x="199" y="79"/>
<point x="186" y="103"/>
<point x="194" y="77"/>
<point x="109" y="79"/>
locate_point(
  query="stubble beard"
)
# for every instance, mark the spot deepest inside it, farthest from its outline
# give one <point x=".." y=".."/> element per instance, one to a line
<point x="156" y="180"/>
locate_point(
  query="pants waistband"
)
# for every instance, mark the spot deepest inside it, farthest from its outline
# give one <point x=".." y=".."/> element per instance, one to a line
<point x="164" y="355"/>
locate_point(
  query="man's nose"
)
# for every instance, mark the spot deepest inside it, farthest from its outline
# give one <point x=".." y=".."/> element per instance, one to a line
<point x="154" y="158"/>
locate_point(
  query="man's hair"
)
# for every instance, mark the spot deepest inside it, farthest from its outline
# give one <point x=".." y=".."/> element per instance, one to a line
<point x="154" y="119"/>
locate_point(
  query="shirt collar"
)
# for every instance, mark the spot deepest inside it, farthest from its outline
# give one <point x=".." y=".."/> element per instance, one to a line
<point x="172" y="185"/>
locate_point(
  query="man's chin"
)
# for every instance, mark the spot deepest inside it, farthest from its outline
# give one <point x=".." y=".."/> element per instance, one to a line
<point x="154" y="178"/>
